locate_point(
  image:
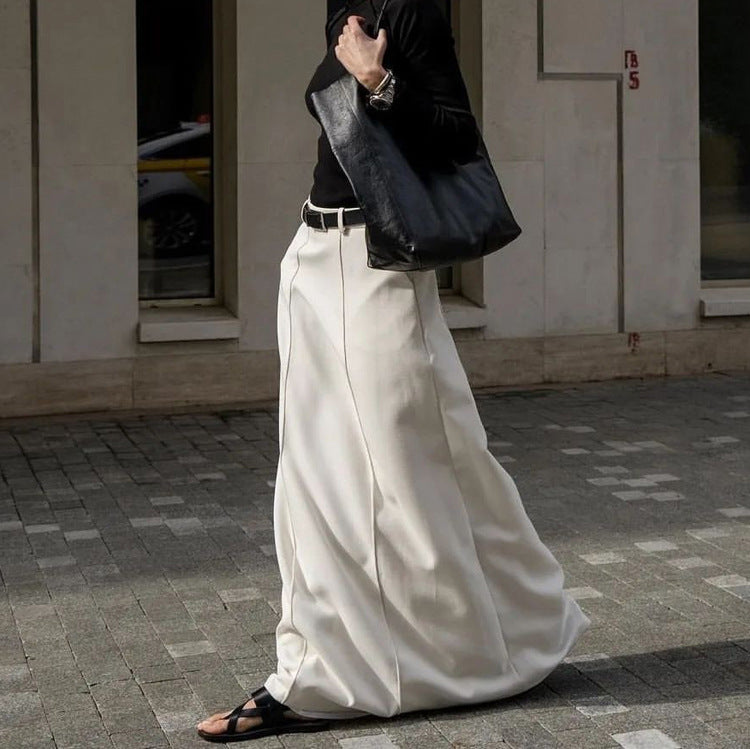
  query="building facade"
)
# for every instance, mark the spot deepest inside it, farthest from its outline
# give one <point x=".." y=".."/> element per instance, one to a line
<point x="157" y="153"/>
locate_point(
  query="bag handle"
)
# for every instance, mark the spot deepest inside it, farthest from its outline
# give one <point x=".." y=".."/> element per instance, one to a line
<point x="380" y="16"/>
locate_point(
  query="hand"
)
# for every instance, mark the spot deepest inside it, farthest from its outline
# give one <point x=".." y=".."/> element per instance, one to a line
<point x="360" y="54"/>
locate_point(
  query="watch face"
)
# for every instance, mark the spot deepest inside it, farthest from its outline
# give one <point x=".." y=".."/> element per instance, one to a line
<point x="379" y="103"/>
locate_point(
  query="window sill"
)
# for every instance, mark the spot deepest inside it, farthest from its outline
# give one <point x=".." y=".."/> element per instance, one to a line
<point x="460" y="313"/>
<point x="160" y="324"/>
<point x="725" y="301"/>
<point x="165" y="324"/>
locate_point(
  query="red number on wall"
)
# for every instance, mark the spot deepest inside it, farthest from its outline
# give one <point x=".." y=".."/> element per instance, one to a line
<point x="631" y="64"/>
<point x="631" y="58"/>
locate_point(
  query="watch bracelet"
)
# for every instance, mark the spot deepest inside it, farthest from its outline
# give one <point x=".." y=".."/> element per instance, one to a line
<point x="386" y="80"/>
<point x="376" y="95"/>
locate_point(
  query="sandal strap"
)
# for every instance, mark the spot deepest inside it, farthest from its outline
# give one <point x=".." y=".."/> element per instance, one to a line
<point x="234" y="712"/>
<point x="263" y="698"/>
<point x="270" y="710"/>
<point x="250" y="712"/>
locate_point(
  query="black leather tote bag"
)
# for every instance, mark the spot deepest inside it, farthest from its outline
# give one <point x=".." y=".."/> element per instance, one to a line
<point x="416" y="218"/>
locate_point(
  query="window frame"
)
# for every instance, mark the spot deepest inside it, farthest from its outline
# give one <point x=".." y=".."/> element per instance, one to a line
<point x="217" y="299"/>
<point x="466" y="22"/>
<point x="712" y="283"/>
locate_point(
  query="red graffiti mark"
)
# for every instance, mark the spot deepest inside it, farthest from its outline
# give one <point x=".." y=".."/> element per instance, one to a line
<point x="634" y="341"/>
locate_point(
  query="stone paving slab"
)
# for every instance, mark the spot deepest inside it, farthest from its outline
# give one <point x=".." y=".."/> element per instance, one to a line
<point x="140" y="589"/>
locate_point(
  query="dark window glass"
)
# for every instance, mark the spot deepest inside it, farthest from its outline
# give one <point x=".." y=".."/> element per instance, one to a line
<point x="445" y="277"/>
<point x="725" y="139"/>
<point x="175" y="112"/>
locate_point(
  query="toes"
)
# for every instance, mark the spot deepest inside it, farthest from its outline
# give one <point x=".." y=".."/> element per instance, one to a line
<point x="219" y="726"/>
<point x="212" y="726"/>
<point x="218" y="723"/>
<point x="211" y="719"/>
<point x="213" y="723"/>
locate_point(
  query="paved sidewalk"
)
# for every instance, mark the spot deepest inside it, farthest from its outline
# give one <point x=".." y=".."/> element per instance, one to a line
<point x="140" y="589"/>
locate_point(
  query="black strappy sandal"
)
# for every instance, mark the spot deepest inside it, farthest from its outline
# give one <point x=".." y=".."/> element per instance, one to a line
<point x="271" y="711"/>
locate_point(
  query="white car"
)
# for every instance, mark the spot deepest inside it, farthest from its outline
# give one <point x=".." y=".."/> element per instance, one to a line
<point x="175" y="192"/>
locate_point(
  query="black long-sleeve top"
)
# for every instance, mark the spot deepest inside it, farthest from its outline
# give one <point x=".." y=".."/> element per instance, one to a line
<point x="431" y="116"/>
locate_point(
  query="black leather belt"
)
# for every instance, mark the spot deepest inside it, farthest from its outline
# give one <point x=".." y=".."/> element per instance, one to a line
<point x="330" y="220"/>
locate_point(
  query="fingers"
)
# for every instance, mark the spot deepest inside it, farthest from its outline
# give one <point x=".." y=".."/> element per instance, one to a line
<point x="354" y="25"/>
<point x="355" y="47"/>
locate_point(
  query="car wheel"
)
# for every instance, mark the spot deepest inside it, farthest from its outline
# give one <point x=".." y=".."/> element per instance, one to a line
<point x="174" y="227"/>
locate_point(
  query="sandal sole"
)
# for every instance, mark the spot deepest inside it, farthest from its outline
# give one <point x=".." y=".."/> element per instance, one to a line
<point x="260" y="732"/>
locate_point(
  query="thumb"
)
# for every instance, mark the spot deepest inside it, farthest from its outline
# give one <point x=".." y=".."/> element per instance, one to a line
<point x="382" y="37"/>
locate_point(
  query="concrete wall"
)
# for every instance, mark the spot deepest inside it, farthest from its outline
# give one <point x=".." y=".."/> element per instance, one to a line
<point x="662" y="168"/>
<point x="88" y="169"/>
<point x="603" y="179"/>
<point x="87" y="179"/>
<point x="16" y="177"/>
<point x="277" y="147"/>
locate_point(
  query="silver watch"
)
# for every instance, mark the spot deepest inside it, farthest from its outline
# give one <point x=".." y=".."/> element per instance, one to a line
<point x="382" y="96"/>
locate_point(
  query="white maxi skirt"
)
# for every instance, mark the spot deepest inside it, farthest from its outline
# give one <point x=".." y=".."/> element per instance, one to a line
<point x="412" y="577"/>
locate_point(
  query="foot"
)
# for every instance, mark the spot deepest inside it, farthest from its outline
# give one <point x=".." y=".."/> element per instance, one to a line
<point x="218" y="723"/>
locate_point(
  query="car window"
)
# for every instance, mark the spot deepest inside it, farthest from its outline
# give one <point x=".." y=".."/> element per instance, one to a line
<point x="192" y="148"/>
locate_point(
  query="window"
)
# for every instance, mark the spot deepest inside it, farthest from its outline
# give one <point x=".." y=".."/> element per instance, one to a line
<point x="175" y="149"/>
<point x="725" y="140"/>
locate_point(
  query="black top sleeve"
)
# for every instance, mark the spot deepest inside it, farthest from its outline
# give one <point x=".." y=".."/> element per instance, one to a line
<point x="431" y="104"/>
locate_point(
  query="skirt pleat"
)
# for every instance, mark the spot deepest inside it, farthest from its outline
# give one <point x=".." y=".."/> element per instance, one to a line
<point x="412" y="577"/>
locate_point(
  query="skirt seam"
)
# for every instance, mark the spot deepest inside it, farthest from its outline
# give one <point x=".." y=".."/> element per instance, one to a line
<point x="438" y="400"/>
<point x="281" y="470"/>
<point x="373" y="475"/>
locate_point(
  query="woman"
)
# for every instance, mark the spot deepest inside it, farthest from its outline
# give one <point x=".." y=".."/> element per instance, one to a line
<point x="412" y="576"/>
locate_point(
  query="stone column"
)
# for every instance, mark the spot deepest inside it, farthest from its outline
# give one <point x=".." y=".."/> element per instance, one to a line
<point x="88" y="200"/>
<point x="279" y="45"/>
<point x="16" y="177"/>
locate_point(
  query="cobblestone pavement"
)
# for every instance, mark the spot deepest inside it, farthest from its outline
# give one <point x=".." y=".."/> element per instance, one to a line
<point x="140" y="589"/>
